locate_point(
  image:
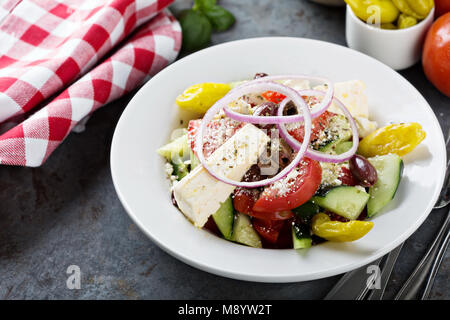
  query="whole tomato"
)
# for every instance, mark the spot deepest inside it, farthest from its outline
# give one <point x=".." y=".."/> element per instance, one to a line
<point x="442" y="6"/>
<point x="436" y="54"/>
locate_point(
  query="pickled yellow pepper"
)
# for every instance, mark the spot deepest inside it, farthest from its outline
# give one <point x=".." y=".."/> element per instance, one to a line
<point x="363" y="9"/>
<point x="337" y="231"/>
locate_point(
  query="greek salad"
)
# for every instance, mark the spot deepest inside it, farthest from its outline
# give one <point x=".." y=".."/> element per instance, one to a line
<point x="284" y="161"/>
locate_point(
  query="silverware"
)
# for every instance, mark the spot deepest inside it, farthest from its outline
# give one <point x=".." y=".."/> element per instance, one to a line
<point x="431" y="260"/>
<point x="377" y="294"/>
<point x="430" y="263"/>
<point x="352" y="285"/>
<point x="435" y="268"/>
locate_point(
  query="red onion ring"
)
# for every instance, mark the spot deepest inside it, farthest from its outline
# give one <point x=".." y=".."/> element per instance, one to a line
<point x="316" y="155"/>
<point x="234" y="94"/>
<point x="256" y="119"/>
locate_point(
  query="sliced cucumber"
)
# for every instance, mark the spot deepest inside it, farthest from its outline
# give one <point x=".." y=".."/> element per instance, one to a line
<point x="306" y="211"/>
<point x="244" y="233"/>
<point x="194" y="160"/>
<point x="180" y="169"/>
<point x="339" y="130"/>
<point x="389" y="170"/>
<point x="224" y="218"/>
<point x="176" y="150"/>
<point x="301" y="236"/>
<point x="345" y="201"/>
<point x="343" y="146"/>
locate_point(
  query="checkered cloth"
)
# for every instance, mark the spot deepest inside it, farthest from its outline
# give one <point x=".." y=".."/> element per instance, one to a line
<point x="46" y="45"/>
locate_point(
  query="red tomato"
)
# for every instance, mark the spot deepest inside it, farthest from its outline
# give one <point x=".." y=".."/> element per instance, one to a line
<point x="318" y="125"/>
<point x="347" y="177"/>
<point x="277" y="215"/>
<point x="284" y="240"/>
<point x="268" y="229"/>
<point x="294" y="192"/>
<point x="442" y="6"/>
<point x="218" y="131"/>
<point x="273" y="96"/>
<point x="244" y="200"/>
<point x="436" y="54"/>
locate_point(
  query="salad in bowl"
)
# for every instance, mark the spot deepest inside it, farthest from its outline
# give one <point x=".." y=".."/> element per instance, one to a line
<point x="284" y="161"/>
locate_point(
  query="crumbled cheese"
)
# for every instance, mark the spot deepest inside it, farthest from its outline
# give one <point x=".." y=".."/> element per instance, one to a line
<point x="240" y="106"/>
<point x="283" y="186"/>
<point x="331" y="172"/>
<point x="168" y="168"/>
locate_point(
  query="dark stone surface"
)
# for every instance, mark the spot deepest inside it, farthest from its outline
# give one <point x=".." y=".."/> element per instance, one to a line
<point x="67" y="213"/>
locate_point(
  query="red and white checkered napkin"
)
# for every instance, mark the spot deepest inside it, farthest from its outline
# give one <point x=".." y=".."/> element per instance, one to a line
<point x="45" y="46"/>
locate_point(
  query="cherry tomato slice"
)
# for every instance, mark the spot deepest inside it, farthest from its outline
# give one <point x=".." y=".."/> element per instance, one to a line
<point x="268" y="229"/>
<point x="347" y="177"/>
<point x="220" y="130"/>
<point x="273" y="96"/>
<point x="294" y="192"/>
<point x="277" y="215"/>
<point x="318" y="125"/>
<point x="244" y="200"/>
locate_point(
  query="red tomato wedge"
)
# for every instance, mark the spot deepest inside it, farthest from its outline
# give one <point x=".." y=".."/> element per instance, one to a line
<point x="273" y="96"/>
<point x="268" y="229"/>
<point x="318" y="125"/>
<point x="218" y="131"/>
<point x="347" y="177"/>
<point x="293" y="190"/>
<point x="244" y="200"/>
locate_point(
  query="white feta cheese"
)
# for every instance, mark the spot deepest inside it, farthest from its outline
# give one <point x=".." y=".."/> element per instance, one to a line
<point x="365" y="126"/>
<point x="199" y="195"/>
<point x="352" y="95"/>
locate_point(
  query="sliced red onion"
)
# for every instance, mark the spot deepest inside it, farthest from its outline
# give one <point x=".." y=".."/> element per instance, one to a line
<point x="238" y="92"/>
<point x="257" y="119"/>
<point x="316" y="155"/>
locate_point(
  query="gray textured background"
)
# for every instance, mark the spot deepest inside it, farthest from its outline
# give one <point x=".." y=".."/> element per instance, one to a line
<point x="66" y="212"/>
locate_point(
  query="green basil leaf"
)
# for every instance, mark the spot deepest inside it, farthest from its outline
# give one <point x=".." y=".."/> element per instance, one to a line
<point x="196" y="29"/>
<point x="220" y="18"/>
<point x="203" y="4"/>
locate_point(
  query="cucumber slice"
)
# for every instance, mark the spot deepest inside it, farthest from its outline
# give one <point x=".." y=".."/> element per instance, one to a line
<point x="306" y="211"/>
<point x="339" y="130"/>
<point x="301" y="236"/>
<point x="180" y="169"/>
<point x="194" y="160"/>
<point x="345" y="201"/>
<point x="244" y="233"/>
<point x="389" y="170"/>
<point x="343" y="146"/>
<point x="176" y="150"/>
<point x="224" y="218"/>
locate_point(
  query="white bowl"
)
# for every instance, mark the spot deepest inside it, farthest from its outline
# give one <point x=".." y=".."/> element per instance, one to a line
<point x="399" y="49"/>
<point x="146" y="123"/>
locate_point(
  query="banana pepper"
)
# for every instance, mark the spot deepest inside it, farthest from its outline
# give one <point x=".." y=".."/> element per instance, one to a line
<point x="337" y="231"/>
<point x="395" y="138"/>
<point x="364" y="9"/>
<point x="418" y="9"/>
<point x="405" y="21"/>
<point x="200" y="97"/>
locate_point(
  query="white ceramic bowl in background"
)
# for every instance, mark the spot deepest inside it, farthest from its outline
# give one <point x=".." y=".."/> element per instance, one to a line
<point x="145" y="125"/>
<point x="399" y="49"/>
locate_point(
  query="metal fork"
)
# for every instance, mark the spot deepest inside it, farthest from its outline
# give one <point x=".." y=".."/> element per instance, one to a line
<point x="350" y="286"/>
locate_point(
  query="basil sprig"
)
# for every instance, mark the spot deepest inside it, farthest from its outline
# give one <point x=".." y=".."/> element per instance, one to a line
<point x="197" y="23"/>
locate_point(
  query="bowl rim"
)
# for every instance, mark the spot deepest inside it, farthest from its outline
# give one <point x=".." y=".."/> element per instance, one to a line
<point x="421" y="24"/>
<point x="288" y="278"/>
